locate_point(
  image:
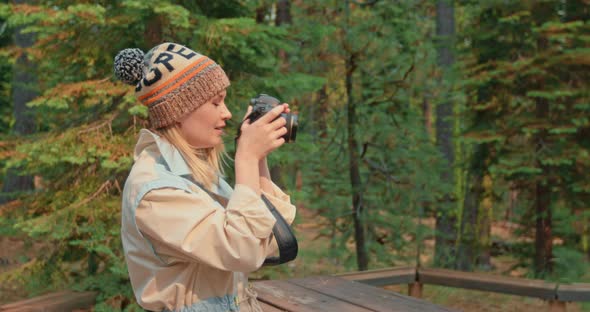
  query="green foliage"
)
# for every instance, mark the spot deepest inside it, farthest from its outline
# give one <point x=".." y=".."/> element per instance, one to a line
<point x="529" y="85"/>
<point x="569" y="264"/>
<point x="398" y="164"/>
<point x="512" y="59"/>
<point x="5" y="78"/>
<point x="87" y="126"/>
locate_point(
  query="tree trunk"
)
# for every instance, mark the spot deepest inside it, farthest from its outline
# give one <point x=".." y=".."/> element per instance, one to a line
<point x="467" y="250"/>
<point x="152" y="33"/>
<point x="355" y="176"/>
<point x="542" y="12"/>
<point x="321" y="120"/>
<point x="512" y="202"/>
<point x="283" y="17"/>
<point x="283" y="13"/>
<point x="427" y="112"/>
<point x="543" y="231"/>
<point x="586" y="238"/>
<point x="353" y="155"/>
<point x="484" y="224"/>
<point x="261" y="14"/>
<point x="543" y="228"/>
<point x="24" y="89"/>
<point x="445" y="235"/>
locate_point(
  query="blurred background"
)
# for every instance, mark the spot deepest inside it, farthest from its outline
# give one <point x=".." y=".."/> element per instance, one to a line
<point x="450" y="134"/>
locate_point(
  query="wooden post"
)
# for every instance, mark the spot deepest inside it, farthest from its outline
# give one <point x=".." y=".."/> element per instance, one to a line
<point x="415" y="289"/>
<point x="557" y="306"/>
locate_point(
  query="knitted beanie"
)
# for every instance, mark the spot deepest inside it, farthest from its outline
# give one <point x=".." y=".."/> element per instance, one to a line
<point x="171" y="80"/>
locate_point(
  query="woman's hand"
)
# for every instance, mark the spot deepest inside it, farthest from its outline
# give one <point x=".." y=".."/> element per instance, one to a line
<point x="264" y="135"/>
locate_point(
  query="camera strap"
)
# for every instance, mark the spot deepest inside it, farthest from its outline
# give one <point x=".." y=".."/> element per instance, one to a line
<point x="284" y="236"/>
<point x="281" y="231"/>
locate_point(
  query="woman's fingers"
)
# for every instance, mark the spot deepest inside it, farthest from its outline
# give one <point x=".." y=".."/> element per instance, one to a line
<point x="277" y="123"/>
<point x="273" y="114"/>
<point x="266" y="133"/>
<point x="280" y="141"/>
<point x="280" y="132"/>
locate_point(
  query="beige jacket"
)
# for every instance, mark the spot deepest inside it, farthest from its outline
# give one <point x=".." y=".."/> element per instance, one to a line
<point x="184" y="251"/>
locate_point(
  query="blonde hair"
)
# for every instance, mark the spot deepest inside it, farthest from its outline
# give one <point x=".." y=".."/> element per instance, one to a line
<point x="204" y="163"/>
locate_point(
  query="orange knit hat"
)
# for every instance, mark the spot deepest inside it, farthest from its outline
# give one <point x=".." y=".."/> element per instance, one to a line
<point x="171" y="80"/>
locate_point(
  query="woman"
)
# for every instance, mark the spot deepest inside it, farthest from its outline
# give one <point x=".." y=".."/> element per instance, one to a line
<point x="185" y="251"/>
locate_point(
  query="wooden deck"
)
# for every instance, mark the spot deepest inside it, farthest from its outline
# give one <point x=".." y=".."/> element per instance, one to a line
<point x="329" y="293"/>
<point x="354" y="291"/>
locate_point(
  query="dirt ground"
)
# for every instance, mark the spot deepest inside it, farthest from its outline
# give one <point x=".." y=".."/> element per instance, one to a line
<point x="12" y="253"/>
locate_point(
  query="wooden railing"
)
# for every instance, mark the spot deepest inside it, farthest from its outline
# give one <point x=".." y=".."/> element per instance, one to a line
<point x="557" y="295"/>
<point x="62" y="301"/>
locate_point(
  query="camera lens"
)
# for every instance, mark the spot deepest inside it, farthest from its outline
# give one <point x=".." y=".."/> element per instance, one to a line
<point x="291" y="125"/>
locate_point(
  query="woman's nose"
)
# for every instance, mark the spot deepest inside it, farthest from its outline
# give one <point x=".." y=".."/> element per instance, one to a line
<point x="225" y="114"/>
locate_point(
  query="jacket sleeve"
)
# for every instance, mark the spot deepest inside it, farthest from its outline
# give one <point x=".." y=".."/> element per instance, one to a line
<point x="193" y="227"/>
<point x="282" y="203"/>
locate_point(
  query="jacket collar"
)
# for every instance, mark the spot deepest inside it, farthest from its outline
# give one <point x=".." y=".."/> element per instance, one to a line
<point x="173" y="159"/>
<point x="170" y="154"/>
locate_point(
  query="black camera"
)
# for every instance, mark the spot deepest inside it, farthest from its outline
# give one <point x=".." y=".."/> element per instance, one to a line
<point x="262" y="104"/>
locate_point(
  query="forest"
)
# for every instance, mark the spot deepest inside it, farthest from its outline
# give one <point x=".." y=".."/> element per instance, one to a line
<point x="449" y="134"/>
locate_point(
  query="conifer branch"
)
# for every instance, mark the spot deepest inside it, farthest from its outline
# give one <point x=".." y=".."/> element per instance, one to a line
<point x="107" y="123"/>
<point x="101" y="189"/>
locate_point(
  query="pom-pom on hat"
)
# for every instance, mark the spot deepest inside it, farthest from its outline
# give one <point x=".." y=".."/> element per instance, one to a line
<point x="171" y="80"/>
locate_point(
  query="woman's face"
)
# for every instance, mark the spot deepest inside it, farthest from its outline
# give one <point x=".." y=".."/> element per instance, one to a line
<point x="203" y="127"/>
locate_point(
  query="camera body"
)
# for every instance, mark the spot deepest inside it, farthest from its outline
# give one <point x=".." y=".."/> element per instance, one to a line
<point x="262" y="104"/>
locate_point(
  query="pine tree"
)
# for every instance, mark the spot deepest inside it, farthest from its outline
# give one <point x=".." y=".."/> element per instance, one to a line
<point x="396" y="160"/>
<point x="530" y="107"/>
<point x="23" y="91"/>
<point x="88" y="123"/>
<point x="446" y="216"/>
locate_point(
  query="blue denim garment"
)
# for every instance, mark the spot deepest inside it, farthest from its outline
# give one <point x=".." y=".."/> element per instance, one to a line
<point x="217" y="304"/>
